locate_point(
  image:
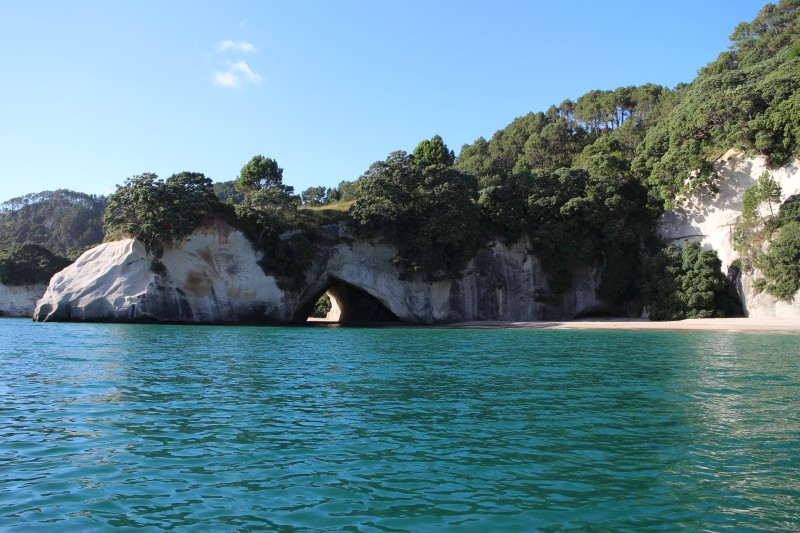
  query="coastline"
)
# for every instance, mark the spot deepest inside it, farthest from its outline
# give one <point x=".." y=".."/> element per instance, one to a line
<point x="765" y="324"/>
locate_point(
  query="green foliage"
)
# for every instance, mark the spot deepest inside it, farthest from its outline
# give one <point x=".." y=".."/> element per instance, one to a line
<point x="753" y="228"/>
<point x="267" y="201"/>
<point x="322" y="307"/>
<point x="272" y="208"/>
<point x="747" y="99"/>
<point x="314" y="196"/>
<point x="434" y="151"/>
<point x="259" y="173"/>
<point x="428" y="211"/>
<point x="287" y="257"/>
<point x="557" y="138"/>
<point x="158" y="212"/>
<point x="63" y="221"/>
<point x="344" y="192"/>
<point x="269" y="214"/>
<point x="780" y="264"/>
<point x="661" y="288"/>
<point x="702" y="281"/>
<point x="790" y="210"/>
<point x="226" y="192"/>
<point x="686" y="283"/>
<point x="572" y="219"/>
<point x="29" y="263"/>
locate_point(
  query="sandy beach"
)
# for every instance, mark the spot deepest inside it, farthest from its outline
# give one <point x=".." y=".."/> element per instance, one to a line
<point x="789" y="325"/>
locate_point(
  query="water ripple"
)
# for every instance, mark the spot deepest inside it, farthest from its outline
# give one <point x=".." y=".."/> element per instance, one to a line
<point x="239" y="429"/>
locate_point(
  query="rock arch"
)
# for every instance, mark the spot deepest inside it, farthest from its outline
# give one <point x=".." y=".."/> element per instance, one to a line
<point x="352" y="305"/>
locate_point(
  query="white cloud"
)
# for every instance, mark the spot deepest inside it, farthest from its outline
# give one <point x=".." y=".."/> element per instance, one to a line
<point x="238" y="46"/>
<point x="244" y="69"/>
<point x="226" y="79"/>
<point x="237" y="73"/>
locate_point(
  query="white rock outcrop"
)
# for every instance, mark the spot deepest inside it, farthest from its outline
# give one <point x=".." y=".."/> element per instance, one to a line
<point x="710" y="220"/>
<point x="213" y="276"/>
<point x="20" y="301"/>
<point x="501" y="283"/>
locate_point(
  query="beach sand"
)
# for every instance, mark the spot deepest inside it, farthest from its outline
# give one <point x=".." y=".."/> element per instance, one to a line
<point x="789" y="325"/>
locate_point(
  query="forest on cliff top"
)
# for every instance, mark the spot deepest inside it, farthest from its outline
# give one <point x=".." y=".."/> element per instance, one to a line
<point x="583" y="182"/>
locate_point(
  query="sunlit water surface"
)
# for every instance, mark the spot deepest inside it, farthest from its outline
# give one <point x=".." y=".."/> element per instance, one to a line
<point x="396" y="429"/>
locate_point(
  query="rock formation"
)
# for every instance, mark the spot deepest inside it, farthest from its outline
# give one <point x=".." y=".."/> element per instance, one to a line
<point x="214" y="276"/>
<point x="710" y="220"/>
<point x="19" y="301"/>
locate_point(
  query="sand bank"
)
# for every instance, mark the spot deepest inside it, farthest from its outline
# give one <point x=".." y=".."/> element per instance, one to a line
<point x="791" y="325"/>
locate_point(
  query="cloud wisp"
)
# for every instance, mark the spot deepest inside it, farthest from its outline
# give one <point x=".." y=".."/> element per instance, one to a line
<point x="237" y="46"/>
<point x="238" y="72"/>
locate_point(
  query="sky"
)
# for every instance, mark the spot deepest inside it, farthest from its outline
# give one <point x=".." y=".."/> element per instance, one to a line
<point x="94" y="92"/>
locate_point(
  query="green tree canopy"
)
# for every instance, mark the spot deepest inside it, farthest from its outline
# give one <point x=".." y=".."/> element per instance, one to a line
<point x="434" y="151"/>
<point x="572" y="219"/>
<point x="259" y="173"/>
<point x="314" y="196"/>
<point x="428" y="211"/>
<point x="780" y="264"/>
<point x="63" y="221"/>
<point x="28" y="264"/>
<point x="685" y="283"/>
<point x="157" y="212"/>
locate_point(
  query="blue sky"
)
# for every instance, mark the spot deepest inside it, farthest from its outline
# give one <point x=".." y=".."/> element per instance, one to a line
<point x="94" y="92"/>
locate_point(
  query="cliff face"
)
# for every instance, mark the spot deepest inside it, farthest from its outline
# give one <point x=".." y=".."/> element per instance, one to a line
<point x="710" y="220"/>
<point x="213" y="276"/>
<point x="19" y="301"/>
<point x="500" y="283"/>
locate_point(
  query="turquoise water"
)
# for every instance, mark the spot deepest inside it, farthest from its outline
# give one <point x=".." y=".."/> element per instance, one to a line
<point x="237" y="429"/>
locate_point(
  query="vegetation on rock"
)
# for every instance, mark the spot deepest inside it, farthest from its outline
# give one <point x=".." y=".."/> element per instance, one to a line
<point x="158" y="212"/>
<point x="29" y="263"/>
<point x="426" y="208"/>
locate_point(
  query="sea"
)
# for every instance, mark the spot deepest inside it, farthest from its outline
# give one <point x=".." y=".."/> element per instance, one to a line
<point x="107" y="427"/>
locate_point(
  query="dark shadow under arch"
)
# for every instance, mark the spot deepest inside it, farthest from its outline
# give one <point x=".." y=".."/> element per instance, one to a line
<point x="356" y="305"/>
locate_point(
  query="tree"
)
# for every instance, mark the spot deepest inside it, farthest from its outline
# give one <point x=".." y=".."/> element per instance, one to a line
<point x="314" y="196"/>
<point x="267" y="201"/>
<point x="434" y="151"/>
<point x="158" y="212"/>
<point x="780" y="264"/>
<point x="62" y="221"/>
<point x="686" y="283"/>
<point x="702" y="281"/>
<point x="429" y="212"/>
<point x="226" y="192"/>
<point x="604" y="158"/>
<point x="346" y="191"/>
<point x="29" y="263"/>
<point x="259" y="173"/>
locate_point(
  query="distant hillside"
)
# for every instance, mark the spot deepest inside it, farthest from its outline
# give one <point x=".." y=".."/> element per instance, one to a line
<point x="63" y="221"/>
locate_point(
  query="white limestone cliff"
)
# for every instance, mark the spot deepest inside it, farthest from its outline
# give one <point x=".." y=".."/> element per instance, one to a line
<point x="710" y="220"/>
<point x="213" y="276"/>
<point x="20" y="301"/>
<point x="210" y="277"/>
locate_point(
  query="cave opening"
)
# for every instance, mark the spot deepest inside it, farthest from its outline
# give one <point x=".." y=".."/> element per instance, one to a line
<point x="347" y="305"/>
